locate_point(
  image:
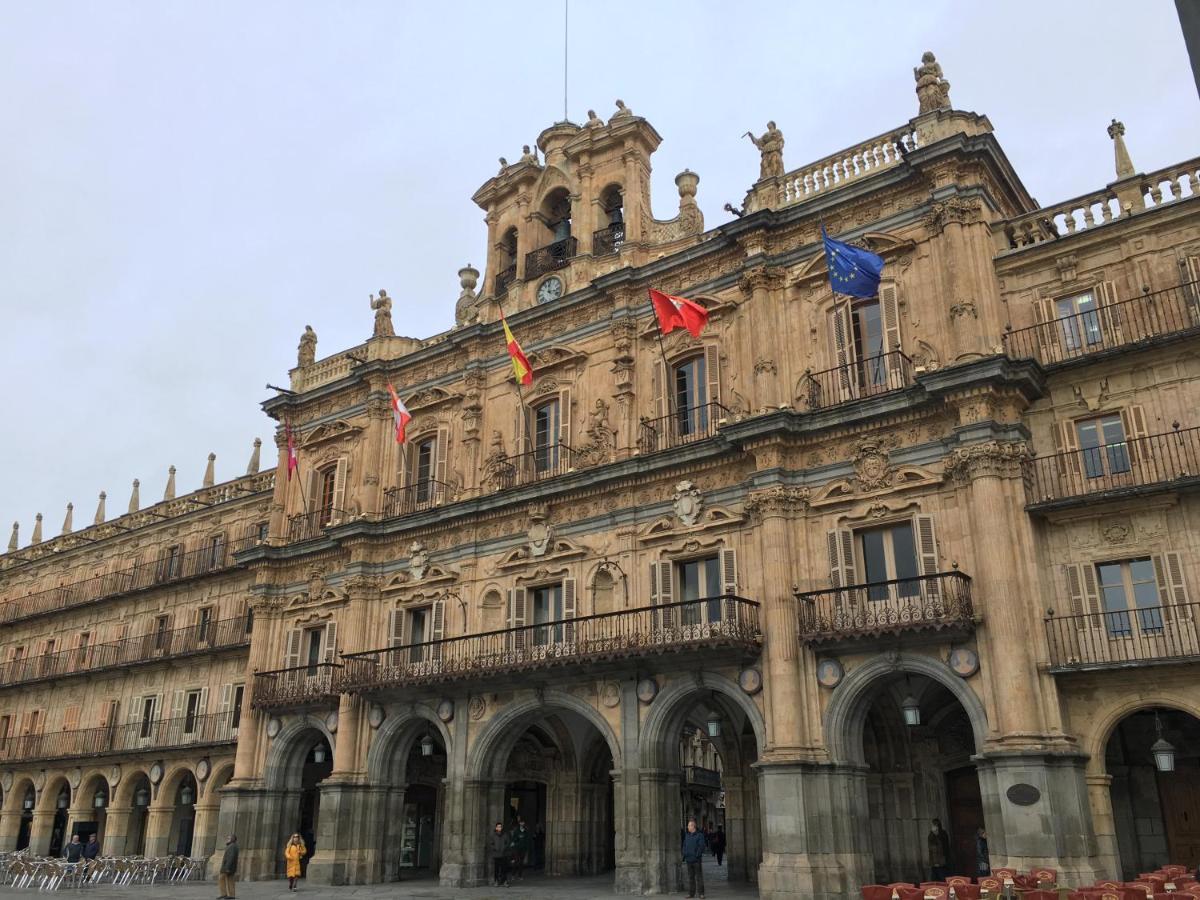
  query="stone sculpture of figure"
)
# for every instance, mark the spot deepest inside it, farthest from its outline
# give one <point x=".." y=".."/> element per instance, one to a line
<point x="307" y="352"/>
<point x="770" y="145"/>
<point x="503" y="164"/>
<point x="498" y="445"/>
<point x="528" y="156"/>
<point x="383" y="314"/>
<point x="933" y="91"/>
<point x="594" y="121"/>
<point x="623" y="111"/>
<point x="598" y="428"/>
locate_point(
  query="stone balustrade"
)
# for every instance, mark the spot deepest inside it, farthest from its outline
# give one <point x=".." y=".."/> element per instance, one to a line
<point x="845" y="166"/>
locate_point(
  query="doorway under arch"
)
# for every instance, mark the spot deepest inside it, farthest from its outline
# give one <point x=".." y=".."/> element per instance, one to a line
<point x="413" y="768"/>
<point x="28" y="800"/>
<point x="59" y="793"/>
<point x="137" y="796"/>
<point x="1153" y="759"/>
<point x="305" y="759"/>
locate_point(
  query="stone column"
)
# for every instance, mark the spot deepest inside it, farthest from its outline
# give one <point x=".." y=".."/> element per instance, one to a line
<point x="158" y="830"/>
<point x="277" y="527"/>
<point x="10" y="826"/>
<point x="116" y="830"/>
<point x="374" y="479"/>
<point x="632" y="198"/>
<point x="1108" y="855"/>
<point x="348" y="833"/>
<point x="585" y="209"/>
<point x="526" y="241"/>
<point x="39" y="833"/>
<point x="204" y="830"/>
<point x="660" y="841"/>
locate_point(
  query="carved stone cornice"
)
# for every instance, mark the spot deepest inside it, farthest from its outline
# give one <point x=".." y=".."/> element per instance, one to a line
<point x="777" y="501"/>
<point x="362" y="587"/>
<point x="379" y="408"/>
<point x="992" y="459"/>
<point x="952" y="211"/>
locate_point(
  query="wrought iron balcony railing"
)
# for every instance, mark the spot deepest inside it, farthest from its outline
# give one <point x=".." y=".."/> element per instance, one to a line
<point x="415" y="497"/>
<point x="692" y="423"/>
<point x="295" y="686"/>
<point x="547" y="259"/>
<point x="1156" y="314"/>
<point x="608" y="240"/>
<point x="1143" y="636"/>
<point x="166" y="569"/>
<point x="504" y="278"/>
<point x="1168" y="459"/>
<point x="704" y="625"/>
<point x="887" y="607"/>
<point x="153" y="734"/>
<point x="309" y="525"/>
<point x="698" y="776"/>
<point x="146" y="648"/>
<point x="535" y="465"/>
<point x="862" y="378"/>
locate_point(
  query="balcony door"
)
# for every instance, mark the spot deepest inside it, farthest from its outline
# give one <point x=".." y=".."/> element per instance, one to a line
<point x="547" y="420"/>
<point x="700" y="590"/>
<point x="426" y="453"/>
<point x="882" y="566"/>
<point x="889" y="554"/>
<point x="866" y="335"/>
<point x="1078" y="321"/>
<point x="691" y="397"/>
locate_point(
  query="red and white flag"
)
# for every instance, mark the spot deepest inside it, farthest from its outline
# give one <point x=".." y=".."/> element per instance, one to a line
<point x="293" y="456"/>
<point x="678" y="311"/>
<point x="400" y="414"/>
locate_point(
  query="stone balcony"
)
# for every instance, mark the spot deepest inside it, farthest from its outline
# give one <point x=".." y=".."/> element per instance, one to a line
<point x="296" y="687"/>
<point x="940" y="602"/>
<point x="697" y="628"/>
<point x="1145" y="636"/>
<point x="153" y="735"/>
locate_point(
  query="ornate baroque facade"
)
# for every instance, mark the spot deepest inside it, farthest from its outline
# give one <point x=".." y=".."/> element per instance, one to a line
<point x="925" y="555"/>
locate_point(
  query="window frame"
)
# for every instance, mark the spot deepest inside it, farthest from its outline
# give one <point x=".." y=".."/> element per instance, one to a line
<point x="1119" y="623"/>
<point x="690" y="418"/>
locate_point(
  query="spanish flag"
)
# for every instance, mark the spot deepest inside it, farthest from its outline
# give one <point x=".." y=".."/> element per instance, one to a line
<point x="522" y="370"/>
<point x="400" y="414"/>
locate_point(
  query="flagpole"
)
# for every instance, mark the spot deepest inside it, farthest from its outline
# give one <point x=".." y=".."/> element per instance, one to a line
<point x="522" y="439"/>
<point x="666" y="373"/>
<point x="299" y="480"/>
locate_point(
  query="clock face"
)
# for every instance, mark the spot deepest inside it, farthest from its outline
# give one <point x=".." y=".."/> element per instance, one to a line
<point x="550" y="289"/>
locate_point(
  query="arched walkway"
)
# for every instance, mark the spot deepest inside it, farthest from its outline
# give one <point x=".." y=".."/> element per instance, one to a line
<point x="55" y="807"/>
<point x="90" y="813"/>
<point x="300" y="758"/>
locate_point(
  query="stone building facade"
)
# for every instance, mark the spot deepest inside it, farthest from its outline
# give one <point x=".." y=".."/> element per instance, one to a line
<point x="928" y="555"/>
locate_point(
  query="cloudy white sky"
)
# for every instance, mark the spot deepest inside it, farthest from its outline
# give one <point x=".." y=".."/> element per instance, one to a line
<point x="184" y="185"/>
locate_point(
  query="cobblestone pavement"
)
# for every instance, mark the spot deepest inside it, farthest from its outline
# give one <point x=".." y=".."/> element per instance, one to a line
<point x="535" y="887"/>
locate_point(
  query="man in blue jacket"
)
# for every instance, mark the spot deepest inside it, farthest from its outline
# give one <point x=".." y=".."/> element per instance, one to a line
<point x="694" y="846"/>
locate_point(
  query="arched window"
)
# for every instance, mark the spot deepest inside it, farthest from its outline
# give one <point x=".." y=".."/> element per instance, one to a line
<point x="508" y="261"/>
<point x="610" y="238"/>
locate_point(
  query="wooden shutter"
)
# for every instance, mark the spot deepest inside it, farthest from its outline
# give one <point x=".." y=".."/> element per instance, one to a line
<point x="1133" y="421"/>
<point x="889" y="308"/>
<point x="226" y="702"/>
<point x="843" y="352"/>
<point x="408" y="467"/>
<point x="1084" y="591"/>
<point x="330" y="643"/>
<point x="712" y="369"/>
<point x="517" y="601"/>
<point x="569" y="609"/>
<point x="202" y="703"/>
<point x="1047" y="332"/>
<point x="1110" y="313"/>
<point x="564" y="424"/>
<point x="292" y="658"/>
<point x="1191" y="268"/>
<point x="658" y="379"/>
<point x="521" y="430"/>
<point x="666" y="591"/>
<point x="70" y="718"/>
<point x="313" y="499"/>
<point x="396" y="620"/>
<point x="437" y="617"/>
<point x="339" y="490"/>
<point x="441" y="448"/>
<point x="135" y="708"/>
<point x="729" y="573"/>
<point x="1172" y="591"/>
<point x="108" y="713"/>
<point x="840" y="545"/>
<point x="177" y="707"/>
<point x="927" y="555"/>
<point x="1069" y="459"/>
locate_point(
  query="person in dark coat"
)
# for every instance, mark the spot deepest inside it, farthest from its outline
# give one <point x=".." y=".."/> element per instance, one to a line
<point x="73" y="850"/>
<point x="694" y="846"/>
<point x="938" y="843"/>
<point x="983" y="860"/>
<point x="498" y="848"/>
<point x="92" y="848"/>
<point x="520" y="844"/>
<point x="227" y="881"/>
<point x="718" y="844"/>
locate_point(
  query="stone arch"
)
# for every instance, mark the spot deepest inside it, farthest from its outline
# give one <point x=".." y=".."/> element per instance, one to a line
<point x="395" y="738"/>
<point x="16" y="796"/>
<point x="672" y="706"/>
<point x="218" y="779"/>
<point x="489" y="754"/>
<point x="48" y="796"/>
<point x="91" y="782"/>
<point x="1097" y="742"/>
<point x="288" y="749"/>
<point x="123" y="796"/>
<point x="847" y="712"/>
<point x="167" y="788"/>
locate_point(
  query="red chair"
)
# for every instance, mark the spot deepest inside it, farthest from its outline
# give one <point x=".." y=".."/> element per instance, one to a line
<point x="991" y="884"/>
<point x="935" y="891"/>
<point x="1044" y="877"/>
<point x="1143" y="887"/>
<point x="1084" y="895"/>
<point x="968" y="891"/>
<point x="1040" y="895"/>
<point x="956" y="880"/>
<point x="1174" y="870"/>
<point x="876" y="892"/>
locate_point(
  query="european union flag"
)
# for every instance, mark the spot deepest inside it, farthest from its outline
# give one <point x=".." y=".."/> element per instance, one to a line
<point x="852" y="270"/>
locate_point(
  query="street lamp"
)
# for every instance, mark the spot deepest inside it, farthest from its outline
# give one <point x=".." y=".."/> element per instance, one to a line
<point x="142" y="797"/>
<point x="319" y="753"/>
<point x="1164" y="752"/>
<point x="100" y="799"/>
<point x="185" y="795"/>
<point x="427" y="746"/>
<point x="714" y="726"/>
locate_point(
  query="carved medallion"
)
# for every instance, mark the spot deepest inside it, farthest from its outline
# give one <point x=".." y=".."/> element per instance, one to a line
<point x="647" y="689"/>
<point x="418" y="560"/>
<point x="871" y="468"/>
<point x="75" y="778"/>
<point x="829" y="673"/>
<point x="6" y="781"/>
<point x="203" y="769"/>
<point x="114" y="775"/>
<point x="273" y="727"/>
<point x="539" y="538"/>
<point x="688" y="503"/>
<point x="964" y="661"/>
<point x="750" y="680"/>
<point x="331" y="722"/>
<point x="445" y="710"/>
<point x="610" y="694"/>
<point x="375" y="715"/>
<point x="476" y="708"/>
<point x="156" y="773"/>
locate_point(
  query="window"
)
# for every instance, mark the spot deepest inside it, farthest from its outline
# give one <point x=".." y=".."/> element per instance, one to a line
<point x="547" y="607"/>
<point x="214" y="556"/>
<point x="261" y="530"/>
<point x="170" y="563"/>
<point x="162" y="633"/>
<point x="191" y="713"/>
<point x="425" y="454"/>
<point x="691" y="396"/>
<point x="238" y="693"/>
<point x="81" y="648"/>
<point x="249" y="619"/>
<point x="545" y="436"/>
<point x="314" y="636"/>
<point x="889" y="554"/>
<point x="5" y="725"/>
<point x="418" y="633"/>
<point x="1119" y="583"/>
<point x="204" y="621"/>
<point x="1078" y="320"/>
<point x="867" y="333"/>
<point x="147" y="726"/>
<point x="1102" y="445"/>
<point x="700" y="579"/>
<point x="326" y="486"/>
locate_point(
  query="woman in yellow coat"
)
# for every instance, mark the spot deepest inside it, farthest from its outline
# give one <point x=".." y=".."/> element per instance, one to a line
<point x="292" y="852"/>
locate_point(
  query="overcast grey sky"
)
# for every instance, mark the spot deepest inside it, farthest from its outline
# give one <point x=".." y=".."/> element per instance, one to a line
<point x="184" y="185"/>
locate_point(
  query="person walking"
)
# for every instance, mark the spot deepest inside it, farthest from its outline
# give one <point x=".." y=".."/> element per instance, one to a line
<point x="520" y="842"/>
<point x="73" y="850"/>
<point x="938" y="843"/>
<point x="293" y="853"/>
<point x="718" y="844"/>
<point x="983" y="860"/>
<point x="227" y="880"/>
<point x="498" y="846"/>
<point x="92" y="848"/>
<point x="694" y="846"/>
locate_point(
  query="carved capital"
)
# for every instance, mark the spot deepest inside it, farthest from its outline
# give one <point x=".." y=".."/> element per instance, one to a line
<point x="993" y="459"/>
<point x="952" y="211"/>
<point x="379" y="408"/>
<point x="777" y="501"/>
<point x="962" y="309"/>
<point x="362" y="587"/>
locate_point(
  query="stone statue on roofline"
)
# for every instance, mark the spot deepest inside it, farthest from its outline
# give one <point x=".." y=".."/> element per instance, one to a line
<point x="770" y="145"/>
<point x="933" y="91"/>
<point x="383" y="314"/>
<point x="593" y="120"/>
<point x="306" y="354"/>
<point x="623" y="111"/>
<point x="528" y="156"/>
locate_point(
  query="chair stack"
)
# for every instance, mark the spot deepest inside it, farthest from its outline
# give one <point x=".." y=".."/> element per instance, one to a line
<point x="1172" y="882"/>
<point x="24" y="870"/>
